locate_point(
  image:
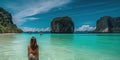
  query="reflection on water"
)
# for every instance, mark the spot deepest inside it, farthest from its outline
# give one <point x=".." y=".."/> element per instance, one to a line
<point x="62" y="39"/>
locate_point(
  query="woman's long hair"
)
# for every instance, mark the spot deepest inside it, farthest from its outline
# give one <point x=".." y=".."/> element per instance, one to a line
<point x="33" y="43"/>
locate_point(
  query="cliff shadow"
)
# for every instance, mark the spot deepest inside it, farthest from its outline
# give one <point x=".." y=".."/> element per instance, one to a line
<point x="61" y="39"/>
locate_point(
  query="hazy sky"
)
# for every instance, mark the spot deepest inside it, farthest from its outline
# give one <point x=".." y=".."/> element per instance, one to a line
<point x="39" y="13"/>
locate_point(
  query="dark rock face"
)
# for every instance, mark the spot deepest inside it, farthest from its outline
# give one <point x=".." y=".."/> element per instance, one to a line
<point x="108" y="24"/>
<point x="62" y="25"/>
<point x="6" y="24"/>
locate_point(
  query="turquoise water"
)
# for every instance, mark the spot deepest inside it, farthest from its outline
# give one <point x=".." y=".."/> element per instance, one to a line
<point x="62" y="46"/>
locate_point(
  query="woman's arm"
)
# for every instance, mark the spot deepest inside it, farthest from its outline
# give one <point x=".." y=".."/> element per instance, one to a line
<point x="37" y="53"/>
<point x="30" y="50"/>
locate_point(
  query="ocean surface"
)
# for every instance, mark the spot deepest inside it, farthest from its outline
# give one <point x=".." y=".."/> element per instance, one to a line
<point x="62" y="46"/>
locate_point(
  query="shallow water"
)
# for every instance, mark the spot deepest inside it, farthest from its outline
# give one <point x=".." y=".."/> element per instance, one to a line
<point x="62" y="46"/>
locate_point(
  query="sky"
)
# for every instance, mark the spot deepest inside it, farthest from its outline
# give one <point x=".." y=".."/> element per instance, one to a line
<point x="36" y="15"/>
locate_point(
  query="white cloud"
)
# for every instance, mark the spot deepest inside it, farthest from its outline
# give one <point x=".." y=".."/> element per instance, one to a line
<point x="37" y="7"/>
<point x="28" y="29"/>
<point x="80" y="29"/>
<point x="30" y="18"/>
<point x="85" y="28"/>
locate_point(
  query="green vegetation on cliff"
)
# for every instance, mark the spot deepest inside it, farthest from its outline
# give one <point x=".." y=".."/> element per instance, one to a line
<point x="62" y="25"/>
<point x="108" y="24"/>
<point x="6" y="23"/>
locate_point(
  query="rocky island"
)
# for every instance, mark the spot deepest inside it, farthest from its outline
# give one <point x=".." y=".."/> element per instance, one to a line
<point x="62" y="25"/>
<point x="6" y="23"/>
<point x="108" y="24"/>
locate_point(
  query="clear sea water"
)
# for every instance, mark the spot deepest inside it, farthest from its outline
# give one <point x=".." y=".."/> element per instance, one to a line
<point x="62" y="46"/>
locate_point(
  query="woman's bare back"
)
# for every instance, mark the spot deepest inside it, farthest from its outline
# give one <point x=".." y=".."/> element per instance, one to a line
<point x="33" y="50"/>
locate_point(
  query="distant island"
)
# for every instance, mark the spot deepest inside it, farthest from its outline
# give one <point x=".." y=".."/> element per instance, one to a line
<point x="105" y="24"/>
<point x="62" y="25"/>
<point x="108" y="24"/>
<point x="6" y="23"/>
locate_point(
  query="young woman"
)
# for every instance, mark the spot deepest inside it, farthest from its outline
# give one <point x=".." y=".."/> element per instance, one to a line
<point x="33" y="50"/>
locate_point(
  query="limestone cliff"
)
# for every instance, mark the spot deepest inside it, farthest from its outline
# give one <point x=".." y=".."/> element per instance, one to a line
<point x="62" y="25"/>
<point x="6" y="23"/>
<point x="108" y="24"/>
